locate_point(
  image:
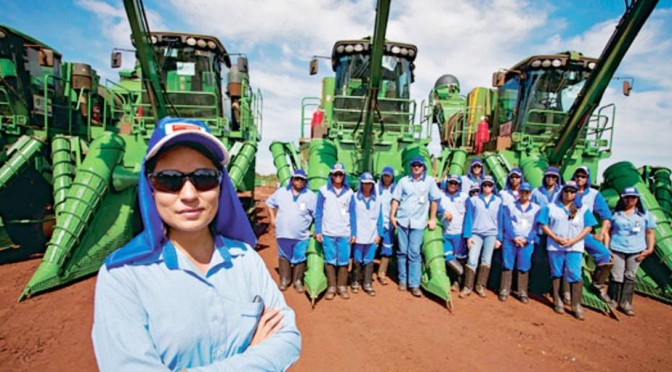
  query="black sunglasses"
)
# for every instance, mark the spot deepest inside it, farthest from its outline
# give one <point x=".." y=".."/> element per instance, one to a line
<point x="203" y="179"/>
<point x="569" y="191"/>
<point x="416" y="165"/>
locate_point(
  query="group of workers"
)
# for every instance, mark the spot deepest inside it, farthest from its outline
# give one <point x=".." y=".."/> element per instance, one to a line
<point x="476" y="219"/>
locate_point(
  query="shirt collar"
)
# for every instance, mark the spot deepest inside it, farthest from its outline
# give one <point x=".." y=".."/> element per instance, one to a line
<point x="226" y="248"/>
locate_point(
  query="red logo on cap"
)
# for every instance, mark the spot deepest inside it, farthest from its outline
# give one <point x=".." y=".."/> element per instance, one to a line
<point x="180" y="127"/>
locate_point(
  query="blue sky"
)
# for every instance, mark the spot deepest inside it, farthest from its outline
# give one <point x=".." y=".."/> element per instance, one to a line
<point x="467" y="38"/>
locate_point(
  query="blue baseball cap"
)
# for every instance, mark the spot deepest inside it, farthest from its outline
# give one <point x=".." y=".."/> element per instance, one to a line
<point x="454" y="178"/>
<point x="171" y="131"/>
<point x="299" y="173"/>
<point x="488" y="179"/>
<point x="388" y="171"/>
<point x="516" y="171"/>
<point x="630" y="191"/>
<point x="475" y="187"/>
<point x="570" y="185"/>
<point x="418" y="159"/>
<point x="525" y="187"/>
<point x="552" y="171"/>
<point x="337" y="168"/>
<point x="366" y="177"/>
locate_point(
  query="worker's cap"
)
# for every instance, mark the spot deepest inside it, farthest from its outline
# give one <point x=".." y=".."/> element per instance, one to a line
<point x="337" y="168"/>
<point x="389" y="171"/>
<point x="630" y="191"/>
<point x="525" y="187"/>
<point x="516" y="171"/>
<point x="583" y="169"/>
<point x="552" y="171"/>
<point x="418" y="160"/>
<point x="570" y="185"/>
<point x="366" y="177"/>
<point x="474" y="187"/>
<point x="299" y="173"/>
<point x="173" y="131"/>
<point x="454" y="178"/>
<point x="488" y="179"/>
<point x="476" y="161"/>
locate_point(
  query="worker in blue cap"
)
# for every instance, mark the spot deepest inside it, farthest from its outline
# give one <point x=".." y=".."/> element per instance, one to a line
<point x="520" y="230"/>
<point x="291" y="210"/>
<point x="336" y="228"/>
<point x="513" y="182"/>
<point x="368" y="209"/>
<point x="190" y="291"/>
<point x="474" y="175"/>
<point x="414" y="197"/>
<point x="632" y="240"/>
<point x="451" y="211"/>
<point x="386" y="187"/>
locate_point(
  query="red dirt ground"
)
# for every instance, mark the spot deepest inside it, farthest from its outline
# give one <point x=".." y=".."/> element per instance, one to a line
<point x="392" y="331"/>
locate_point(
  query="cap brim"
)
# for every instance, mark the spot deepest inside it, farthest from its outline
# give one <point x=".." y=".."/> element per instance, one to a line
<point x="368" y="181"/>
<point x="204" y="139"/>
<point x="301" y="176"/>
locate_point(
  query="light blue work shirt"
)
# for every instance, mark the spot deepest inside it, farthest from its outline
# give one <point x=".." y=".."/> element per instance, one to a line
<point x="335" y="212"/>
<point x="295" y="212"/>
<point x="556" y="217"/>
<point x="369" y="218"/>
<point x="468" y="180"/>
<point x="521" y="222"/>
<point x="414" y="197"/>
<point x="628" y="233"/>
<point x="163" y="314"/>
<point x="542" y="197"/>
<point x="483" y="217"/>
<point x="456" y="205"/>
<point x="509" y="196"/>
<point x="592" y="200"/>
<point x="385" y="194"/>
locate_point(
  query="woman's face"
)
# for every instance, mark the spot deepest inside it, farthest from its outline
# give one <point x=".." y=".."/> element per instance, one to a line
<point x="568" y="194"/>
<point x="366" y="188"/>
<point x="187" y="210"/>
<point x="630" y="201"/>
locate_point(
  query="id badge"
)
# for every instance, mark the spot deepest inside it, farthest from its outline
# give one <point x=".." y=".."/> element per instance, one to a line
<point x="575" y="222"/>
<point x="636" y="229"/>
<point x="422" y="200"/>
<point x="302" y="206"/>
<point x="524" y="223"/>
<point x="344" y="211"/>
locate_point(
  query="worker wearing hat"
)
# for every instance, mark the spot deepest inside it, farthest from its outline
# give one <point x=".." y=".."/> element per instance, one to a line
<point x="451" y="212"/>
<point x="386" y="187"/>
<point x="513" y="182"/>
<point x="368" y="209"/>
<point x="474" y="175"/>
<point x="520" y="230"/>
<point x="632" y="240"/>
<point x="566" y="226"/>
<point x="336" y="228"/>
<point x="483" y="232"/>
<point x="291" y="210"/>
<point x="414" y="196"/>
<point x="549" y="189"/>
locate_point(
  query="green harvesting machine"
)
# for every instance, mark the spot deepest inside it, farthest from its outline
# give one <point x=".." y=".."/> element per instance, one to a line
<point x="365" y="120"/>
<point x="176" y="74"/>
<point x="50" y="110"/>
<point x="544" y="111"/>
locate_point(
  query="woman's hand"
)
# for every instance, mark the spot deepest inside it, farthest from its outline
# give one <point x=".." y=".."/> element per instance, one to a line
<point x="470" y="243"/>
<point x="431" y="224"/>
<point x="645" y="253"/>
<point x="269" y="323"/>
<point x="318" y="237"/>
<point x="448" y="215"/>
<point x="393" y="221"/>
<point x="498" y="244"/>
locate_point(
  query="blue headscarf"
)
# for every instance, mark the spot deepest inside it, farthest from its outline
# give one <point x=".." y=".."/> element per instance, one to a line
<point x="338" y="167"/>
<point x="389" y="171"/>
<point x="368" y="178"/>
<point x="517" y="171"/>
<point x="470" y="173"/>
<point x="230" y="221"/>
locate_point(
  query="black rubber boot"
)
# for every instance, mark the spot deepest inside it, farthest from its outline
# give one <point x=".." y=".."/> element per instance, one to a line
<point x="599" y="284"/>
<point x="356" y="276"/>
<point x="382" y="270"/>
<point x="523" y="279"/>
<point x="505" y="284"/>
<point x="482" y="280"/>
<point x="558" y="305"/>
<point x="627" y="294"/>
<point x="331" y="282"/>
<point x="368" y="279"/>
<point x="455" y="266"/>
<point x="469" y="276"/>
<point x="285" y="271"/>
<point x="297" y="278"/>
<point x="577" y="297"/>
<point x="615" y="289"/>
<point x="342" y="282"/>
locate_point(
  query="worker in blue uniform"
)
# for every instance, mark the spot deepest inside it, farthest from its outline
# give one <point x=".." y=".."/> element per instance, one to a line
<point x="336" y="228"/>
<point x="291" y="210"/>
<point x="566" y="226"/>
<point x="369" y="217"/>
<point x="474" y="175"/>
<point x="520" y="231"/>
<point x="452" y="209"/>
<point x="513" y="181"/>
<point x="386" y="187"/>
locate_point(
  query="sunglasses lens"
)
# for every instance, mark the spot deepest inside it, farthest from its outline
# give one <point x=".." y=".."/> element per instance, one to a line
<point x="167" y="181"/>
<point x="205" y="179"/>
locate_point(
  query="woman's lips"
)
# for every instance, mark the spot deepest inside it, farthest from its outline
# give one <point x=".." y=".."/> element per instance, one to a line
<point x="191" y="213"/>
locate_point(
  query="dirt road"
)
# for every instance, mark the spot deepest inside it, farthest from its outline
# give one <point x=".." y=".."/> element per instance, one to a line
<point x="392" y="331"/>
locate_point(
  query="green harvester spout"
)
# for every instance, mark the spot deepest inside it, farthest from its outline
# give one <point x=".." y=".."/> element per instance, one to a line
<point x="242" y="159"/>
<point x="434" y="278"/>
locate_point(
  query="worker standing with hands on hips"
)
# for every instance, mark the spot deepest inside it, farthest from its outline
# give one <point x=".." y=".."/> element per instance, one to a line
<point x="414" y="196"/>
<point x="190" y="292"/>
<point x="291" y="210"/>
<point x="566" y="226"/>
<point x="336" y="228"/>
<point x="632" y="240"/>
<point x="368" y="209"/>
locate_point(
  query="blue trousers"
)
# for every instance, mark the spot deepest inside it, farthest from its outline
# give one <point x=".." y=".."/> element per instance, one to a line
<point x="336" y="250"/>
<point x="410" y="242"/>
<point x="293" y="250"/>
<point x="364" y="253"/>
<point x="486" y="244"/>
<point x="454" y="247"/>
<point x="566" y="264"/>
<point x="388" y="242"/>
<point x="514" y="257"/>
<point x="596" y="249"/>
